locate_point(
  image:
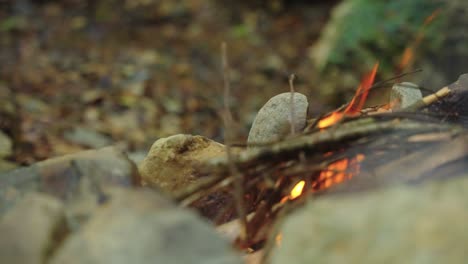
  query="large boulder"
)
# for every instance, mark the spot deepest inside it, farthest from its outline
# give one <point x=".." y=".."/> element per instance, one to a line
<point x="77" y="179"/>
<point x="140" y="226"/>
<point x="32" y="229"/>
<point x="424" y="224"/>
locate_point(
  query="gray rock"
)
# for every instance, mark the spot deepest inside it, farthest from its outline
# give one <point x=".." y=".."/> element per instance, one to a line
<point x="272" y="122"/>
<point x="399" y="225"/>
<point x="32" y="229"/>
<point x="87" y="137"/>
<point x="171" y="162"/>
<point x="7" y="165"/>
<point x="404" y="94"/>
<point x="140" y="226"/>
<point x="6" y="145"/>
<point x="67" y="177"/>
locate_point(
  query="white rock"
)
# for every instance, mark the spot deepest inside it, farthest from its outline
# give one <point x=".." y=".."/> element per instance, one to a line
<point x="404" y="94"/>
<point x="273" y="120"/>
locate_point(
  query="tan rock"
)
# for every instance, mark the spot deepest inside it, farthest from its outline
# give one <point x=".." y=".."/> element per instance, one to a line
<point x="171" y="162"/>
<point x="140" y="226"/>
<point x="30" y="230"/>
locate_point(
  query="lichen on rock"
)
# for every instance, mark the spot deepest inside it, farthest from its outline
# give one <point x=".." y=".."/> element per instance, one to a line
<point x="171" y="162"/>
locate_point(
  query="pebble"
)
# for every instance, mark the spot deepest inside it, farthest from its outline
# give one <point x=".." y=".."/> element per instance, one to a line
<point x="404" y="94"/>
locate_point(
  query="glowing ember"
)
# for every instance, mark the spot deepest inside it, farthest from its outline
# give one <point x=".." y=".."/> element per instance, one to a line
<point x="360" y="157"/>
<point x="339" y="171"/>
<point x="278" y="239"/>
<point x="335" y="173"/>
<point x="297" y="190"/>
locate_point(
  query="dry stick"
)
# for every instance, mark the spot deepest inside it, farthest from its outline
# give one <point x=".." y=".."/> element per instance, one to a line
<point x="292" y="118"/>
<point x="427" y="100"/>
<point x="351" y="130"/>
<point x="238" y="189"/>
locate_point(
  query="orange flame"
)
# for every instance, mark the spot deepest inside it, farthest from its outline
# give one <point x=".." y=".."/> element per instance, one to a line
<point x="356" y="104"/>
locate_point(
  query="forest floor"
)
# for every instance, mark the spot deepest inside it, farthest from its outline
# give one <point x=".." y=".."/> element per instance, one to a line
<point x="84" y="75"/>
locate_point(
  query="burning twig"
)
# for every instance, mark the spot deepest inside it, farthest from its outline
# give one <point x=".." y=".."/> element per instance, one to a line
<point x="356" y="104"/>
<point x="313" y="123"/>
<point x="324" y="139"/>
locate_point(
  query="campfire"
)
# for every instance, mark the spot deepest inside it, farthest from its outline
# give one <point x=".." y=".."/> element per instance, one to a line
<point x="347" y="150"/>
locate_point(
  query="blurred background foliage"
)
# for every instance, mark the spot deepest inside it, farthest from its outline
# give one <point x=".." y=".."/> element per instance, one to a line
<point x="84" y="74"/>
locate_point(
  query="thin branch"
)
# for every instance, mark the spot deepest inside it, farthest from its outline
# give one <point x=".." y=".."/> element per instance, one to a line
<point x="292" y="118"/>
<point x="349" y="130"/>
<point x="430" y="99"/>
<point x="238" y="189"/>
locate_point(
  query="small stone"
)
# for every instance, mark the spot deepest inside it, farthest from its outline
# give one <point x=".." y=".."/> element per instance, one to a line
<point x="170" y="163"/>
<point x="87" y="137"/>
<point x="404" y="94"/>
<point x="31" y="229"/>
<point x="273" y="121"/>
<point x="140" y="226"/>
